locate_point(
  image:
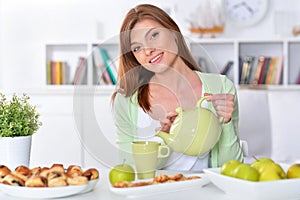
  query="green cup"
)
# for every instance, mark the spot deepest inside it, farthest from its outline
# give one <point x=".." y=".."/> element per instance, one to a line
<point x="145" y="155"/>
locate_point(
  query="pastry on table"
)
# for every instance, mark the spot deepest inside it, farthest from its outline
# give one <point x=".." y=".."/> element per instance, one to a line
<point x="57" y="168"/>
<point x="77" y="180"/>
<point x="36" y="181"/>
<point x="36" y="170"/>
<point x="44" y="172"/>
<point x="4" y="170"/>
<point x="74" y="170"/>
<point x="13" y="180"/>
<point x="56" y="179"/>
<point x="91" y="174"/>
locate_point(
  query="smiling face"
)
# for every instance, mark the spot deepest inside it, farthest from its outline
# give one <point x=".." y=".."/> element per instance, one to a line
<point x="153" y="46"/>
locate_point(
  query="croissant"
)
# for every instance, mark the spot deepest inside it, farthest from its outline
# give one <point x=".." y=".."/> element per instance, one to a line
<point x="77" y="180"/>
<point x="36" y="181"/>
<point x="56" y="179"/>
<point x="91" y="174"/>
<point x="13" y="180"/>
<point x="3" y="172"/>
<point x="74" y="170"/>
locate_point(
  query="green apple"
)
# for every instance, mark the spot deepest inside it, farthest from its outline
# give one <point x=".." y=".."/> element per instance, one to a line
<point x="273" y="167"/>
<point x="294" y="171"/>
<point x="246" y="172"/>
<point x="122" y="172"/>
<point x="259" y="163"/>
<point x="269" y="175"/>
<point x="229" y="166"/>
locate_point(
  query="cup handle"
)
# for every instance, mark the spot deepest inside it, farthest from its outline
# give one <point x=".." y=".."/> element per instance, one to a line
<point x="162" y="148"/>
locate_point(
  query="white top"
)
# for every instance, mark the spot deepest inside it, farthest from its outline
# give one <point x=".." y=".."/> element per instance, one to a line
<point x="176" y="161"/>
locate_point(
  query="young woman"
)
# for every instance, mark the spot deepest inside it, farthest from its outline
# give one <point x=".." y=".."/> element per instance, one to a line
<point x="157" y="74"/>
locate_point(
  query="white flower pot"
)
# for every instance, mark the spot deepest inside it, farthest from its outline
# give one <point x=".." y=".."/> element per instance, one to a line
<point x="15" y="151"/>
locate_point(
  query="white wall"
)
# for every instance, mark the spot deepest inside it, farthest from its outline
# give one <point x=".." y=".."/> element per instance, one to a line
<point x="26" y="26"/>
<point x="1" y="46"/>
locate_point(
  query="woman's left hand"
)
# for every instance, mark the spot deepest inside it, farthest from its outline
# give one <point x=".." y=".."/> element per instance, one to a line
<point x="223" y="104"/>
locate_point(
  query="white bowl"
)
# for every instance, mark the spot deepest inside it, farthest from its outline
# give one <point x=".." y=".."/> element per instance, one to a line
<point x="280" y="189"/>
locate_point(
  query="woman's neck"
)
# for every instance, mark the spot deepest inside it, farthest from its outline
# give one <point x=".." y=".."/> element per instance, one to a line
<point x="175" y="78"/>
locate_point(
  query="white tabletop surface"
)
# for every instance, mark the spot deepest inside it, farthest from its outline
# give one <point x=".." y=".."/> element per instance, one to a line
<point x="102" y="191"/>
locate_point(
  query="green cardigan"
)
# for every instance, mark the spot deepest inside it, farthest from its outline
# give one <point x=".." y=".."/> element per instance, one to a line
<point x="228" y="146"/>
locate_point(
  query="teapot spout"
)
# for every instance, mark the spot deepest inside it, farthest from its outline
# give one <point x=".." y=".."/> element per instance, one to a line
<point x="167" y="138"/>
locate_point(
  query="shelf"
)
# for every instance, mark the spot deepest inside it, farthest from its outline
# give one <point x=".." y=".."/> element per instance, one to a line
<point x="66" y="90"/>
<point x="213" y="54"/>
<point x="75" y="62"/>
<point x="62" y="61"/>
<point x="270" y="87"/>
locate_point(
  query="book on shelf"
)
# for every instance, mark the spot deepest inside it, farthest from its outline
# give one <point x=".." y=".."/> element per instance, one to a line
<point x="227" y="68"/>
<point x="278" y="74"/>
<point x="261" y="70"/>
<point x="240" y="68"/>
<point x="49" y="73"/>
<point x="298" y="79"/>
<point x="260" y="63"/>
<point x="109" y="64"/>
<point x="58" y="73"/>
<point x="65" y="73"/>
<point x="254" y="65"/>
<point x="266" y="69"/>
<point x="101" y="74"/>
<point x="203" y="64"/>
<point x="246" y="69"/>
<point x="80" y="77"/>
<point x="271" y="70"/>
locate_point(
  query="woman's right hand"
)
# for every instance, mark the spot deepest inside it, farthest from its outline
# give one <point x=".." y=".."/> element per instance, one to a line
<point x="167" y="122"/>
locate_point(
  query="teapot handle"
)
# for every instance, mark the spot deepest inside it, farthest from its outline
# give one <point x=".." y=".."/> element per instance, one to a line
<point x="221" y="118"/>
<point x="201" y="100"/>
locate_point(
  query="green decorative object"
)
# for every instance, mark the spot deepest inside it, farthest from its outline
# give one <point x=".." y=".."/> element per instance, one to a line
<point x="17" y="116"/>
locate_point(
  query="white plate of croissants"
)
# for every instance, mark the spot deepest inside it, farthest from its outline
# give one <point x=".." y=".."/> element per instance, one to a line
<point x="47" y="182"/>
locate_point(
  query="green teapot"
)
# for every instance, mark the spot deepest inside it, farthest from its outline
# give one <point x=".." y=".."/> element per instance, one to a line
<point x="193" y="132"/>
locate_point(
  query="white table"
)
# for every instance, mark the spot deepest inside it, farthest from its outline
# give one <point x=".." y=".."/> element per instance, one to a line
<point x="102" y="191"/>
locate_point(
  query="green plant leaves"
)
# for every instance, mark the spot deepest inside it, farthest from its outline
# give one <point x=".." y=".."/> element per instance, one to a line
<point x="17" y="116"/>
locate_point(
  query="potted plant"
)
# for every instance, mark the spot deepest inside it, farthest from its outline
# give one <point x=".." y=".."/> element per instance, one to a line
<point x="19" y="120"/>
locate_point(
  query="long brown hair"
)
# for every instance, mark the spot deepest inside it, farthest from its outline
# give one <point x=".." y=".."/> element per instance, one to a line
<point x="131" y="75"/>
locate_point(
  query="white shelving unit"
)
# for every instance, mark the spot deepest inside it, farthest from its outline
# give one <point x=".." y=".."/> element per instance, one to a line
<point x="70" y="52"/>
<point x="217" y="52"/>
<point x="223" y="50"/>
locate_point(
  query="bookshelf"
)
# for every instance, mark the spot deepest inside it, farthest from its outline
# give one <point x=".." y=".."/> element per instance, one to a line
<point x="213" y="54"/>
<point x="220" y="51"/>
<point x="79" y="58"/>
<point x="67" y="53"/>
